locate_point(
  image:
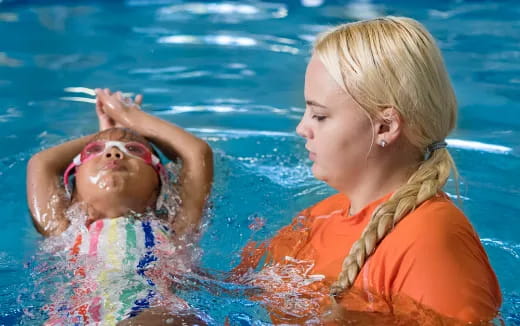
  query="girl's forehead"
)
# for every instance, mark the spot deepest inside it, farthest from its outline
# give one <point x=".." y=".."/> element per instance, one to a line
<point x="121" y="135"/>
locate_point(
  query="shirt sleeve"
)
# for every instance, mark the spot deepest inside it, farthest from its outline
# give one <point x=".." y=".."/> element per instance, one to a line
<point x="444" y="267"/>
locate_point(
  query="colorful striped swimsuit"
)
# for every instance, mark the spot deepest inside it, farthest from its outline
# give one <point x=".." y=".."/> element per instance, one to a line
<point x="118" y="272"/>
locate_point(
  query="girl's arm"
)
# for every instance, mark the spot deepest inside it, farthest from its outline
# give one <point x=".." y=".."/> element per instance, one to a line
<point x="196" y="155"/>
<point x="45" y="192"/>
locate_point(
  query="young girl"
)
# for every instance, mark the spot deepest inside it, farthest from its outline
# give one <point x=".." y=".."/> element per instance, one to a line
<point x="122" y="228"/>
<point x="379" y="106"/>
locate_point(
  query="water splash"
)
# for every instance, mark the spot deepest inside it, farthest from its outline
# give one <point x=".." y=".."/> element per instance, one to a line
<point x="81" y="274"/>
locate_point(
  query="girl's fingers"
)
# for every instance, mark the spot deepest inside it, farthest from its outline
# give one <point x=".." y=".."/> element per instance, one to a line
<point x="138" y="99"/>
<point x="106" y="98"/>
<point x="99" y="110"/>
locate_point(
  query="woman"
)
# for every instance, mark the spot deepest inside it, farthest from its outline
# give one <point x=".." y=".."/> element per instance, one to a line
<point x="379" y="106"/>
<point x="127" y="233"/>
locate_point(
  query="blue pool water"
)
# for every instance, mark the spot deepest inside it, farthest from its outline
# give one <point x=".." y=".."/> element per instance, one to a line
<point x="232" y="72"/>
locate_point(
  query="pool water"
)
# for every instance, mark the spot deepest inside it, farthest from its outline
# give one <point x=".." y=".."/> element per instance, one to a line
<point x="232" y="73"/>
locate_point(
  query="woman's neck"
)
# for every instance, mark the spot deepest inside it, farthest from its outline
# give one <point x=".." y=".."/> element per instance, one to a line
<point x="382" y="176"/>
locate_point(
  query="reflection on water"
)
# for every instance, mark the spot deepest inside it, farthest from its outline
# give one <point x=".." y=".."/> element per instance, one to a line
<point x="229" y="12"/>
<point x="259" y="41"/>
<point x="232" y="73"/>
<point x="9" y="62"/>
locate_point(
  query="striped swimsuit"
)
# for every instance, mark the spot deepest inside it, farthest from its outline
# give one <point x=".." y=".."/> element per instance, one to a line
<point x="119" y="268"/>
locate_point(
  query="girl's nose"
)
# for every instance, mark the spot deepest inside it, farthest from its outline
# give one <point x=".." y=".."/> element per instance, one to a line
<point x="114" y="153"/>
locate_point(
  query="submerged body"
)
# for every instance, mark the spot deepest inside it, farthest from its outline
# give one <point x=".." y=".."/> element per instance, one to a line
<point x="434" y="265"/>
<point x="119" y="267"/>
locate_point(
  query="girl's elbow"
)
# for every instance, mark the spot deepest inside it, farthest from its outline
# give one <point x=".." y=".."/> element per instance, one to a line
<point x="203" y="151"/>
<point x="36" y="163"/>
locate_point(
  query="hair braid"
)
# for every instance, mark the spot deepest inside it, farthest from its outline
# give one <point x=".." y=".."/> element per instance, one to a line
<point x="427" y="181"/>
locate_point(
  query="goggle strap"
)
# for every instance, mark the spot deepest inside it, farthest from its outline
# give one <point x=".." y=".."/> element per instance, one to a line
<point x="155" y="160"/>
<point x="77" y="160"/>
<point x="66" y="175"/>
<point x="162" y="173"/>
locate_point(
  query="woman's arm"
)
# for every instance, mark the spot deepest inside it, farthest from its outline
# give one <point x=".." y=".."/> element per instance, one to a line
<point x="197" y="168"/>
<point x="45" y="192"/>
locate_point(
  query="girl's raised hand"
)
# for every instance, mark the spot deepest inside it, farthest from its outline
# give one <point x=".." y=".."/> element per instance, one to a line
<point x="112" y="108"/>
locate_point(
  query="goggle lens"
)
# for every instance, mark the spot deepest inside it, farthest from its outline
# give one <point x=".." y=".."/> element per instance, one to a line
<point x="134" y="149"/>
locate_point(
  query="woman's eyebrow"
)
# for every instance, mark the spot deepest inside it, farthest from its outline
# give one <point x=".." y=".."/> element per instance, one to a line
<point x="314" y="103"/>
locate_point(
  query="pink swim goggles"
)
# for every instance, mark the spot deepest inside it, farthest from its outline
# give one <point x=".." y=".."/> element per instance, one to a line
<point x="133" y="149"/>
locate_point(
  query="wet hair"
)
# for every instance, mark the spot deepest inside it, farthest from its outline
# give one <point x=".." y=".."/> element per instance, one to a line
<point x="393" y="62"/>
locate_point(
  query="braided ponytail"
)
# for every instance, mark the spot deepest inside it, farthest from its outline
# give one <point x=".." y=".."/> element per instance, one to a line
<point x="425" y="183"/>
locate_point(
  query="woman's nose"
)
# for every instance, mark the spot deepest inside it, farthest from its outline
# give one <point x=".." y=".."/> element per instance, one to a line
<point x="114" y="153"/>
<point x="302" y="129"/>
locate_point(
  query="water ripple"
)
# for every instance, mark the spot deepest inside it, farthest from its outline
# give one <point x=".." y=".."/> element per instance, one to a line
<point x="462" y="9"/>
<point x="230" y="12"/>
<point x="70" y="61"/>
<point x="230" y="71"/>
<point x="234" y="40"/>
<point x="6" y="61"/>
<point x="479" y="146"/>
<point x="285" y="176"/>
<point x="239" y="133"/>
<point x="355" y="10"/>
<point x="512" y="249"/>
<point x="223" y="108"/>
<point x="7" y="17"/>
<point x="10" y="114"/>
<point x="455" y="143"/>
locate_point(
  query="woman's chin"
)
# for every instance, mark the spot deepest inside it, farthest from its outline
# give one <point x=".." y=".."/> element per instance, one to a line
<point x="318" y="172"/>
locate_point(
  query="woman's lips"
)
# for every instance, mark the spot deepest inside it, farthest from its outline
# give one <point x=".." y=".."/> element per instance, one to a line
<point x="312" y="155"/>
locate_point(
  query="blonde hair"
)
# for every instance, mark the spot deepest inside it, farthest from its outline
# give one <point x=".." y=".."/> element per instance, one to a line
<point x="394" y="62"/>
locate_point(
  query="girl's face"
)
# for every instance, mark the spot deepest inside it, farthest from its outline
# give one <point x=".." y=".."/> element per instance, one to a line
<point x="338" y="132"/>
<point x="116" y="178"/>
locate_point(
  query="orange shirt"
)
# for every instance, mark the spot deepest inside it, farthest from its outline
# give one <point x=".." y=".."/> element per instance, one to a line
<point x="433" y="257"/>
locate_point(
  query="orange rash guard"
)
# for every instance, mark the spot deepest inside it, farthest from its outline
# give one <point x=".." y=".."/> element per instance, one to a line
<point x="433" y="257"/>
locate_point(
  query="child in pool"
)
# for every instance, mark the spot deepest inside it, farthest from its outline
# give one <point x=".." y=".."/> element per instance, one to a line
<point x="122" y="247"/>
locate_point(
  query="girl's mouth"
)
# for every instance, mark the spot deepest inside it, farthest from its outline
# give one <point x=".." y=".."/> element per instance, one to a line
<point x="113" y="165"/>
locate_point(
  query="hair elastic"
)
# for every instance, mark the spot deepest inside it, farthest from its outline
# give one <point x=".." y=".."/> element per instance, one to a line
<point x="433" y="147"/>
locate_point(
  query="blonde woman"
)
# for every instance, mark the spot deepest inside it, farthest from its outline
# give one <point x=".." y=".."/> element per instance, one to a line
<point x="379" y="106"/>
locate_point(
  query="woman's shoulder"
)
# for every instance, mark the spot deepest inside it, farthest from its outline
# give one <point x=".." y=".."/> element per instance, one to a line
<point x="438" y="212"/>
<point x="437" y="242"/>
<point x="436" y="222"/>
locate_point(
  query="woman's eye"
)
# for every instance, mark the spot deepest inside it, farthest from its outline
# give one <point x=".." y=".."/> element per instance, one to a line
<point x="319" y="117"/>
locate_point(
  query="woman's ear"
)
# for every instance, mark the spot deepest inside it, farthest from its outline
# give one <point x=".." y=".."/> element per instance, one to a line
<point x="388" y="126"/>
